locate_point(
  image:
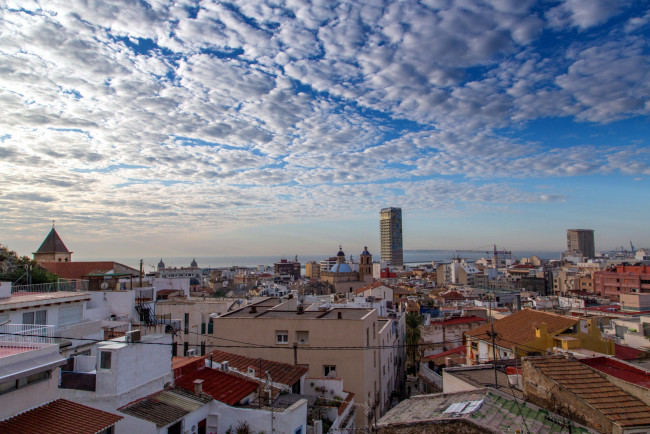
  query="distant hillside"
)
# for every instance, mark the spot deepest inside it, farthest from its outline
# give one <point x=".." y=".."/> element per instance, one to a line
<point x="15" y="269"/>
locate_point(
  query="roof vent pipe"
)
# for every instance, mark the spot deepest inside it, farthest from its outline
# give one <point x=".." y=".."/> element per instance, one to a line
<point x="339" y="315"/>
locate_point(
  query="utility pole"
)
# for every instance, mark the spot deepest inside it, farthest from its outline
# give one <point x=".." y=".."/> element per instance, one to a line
<point x="493" y="335"/>
<point x="295" y="354"/>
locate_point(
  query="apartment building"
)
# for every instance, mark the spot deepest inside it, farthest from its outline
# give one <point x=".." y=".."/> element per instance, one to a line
<point x="622" y="279"/>
<point x="330" y="342"/>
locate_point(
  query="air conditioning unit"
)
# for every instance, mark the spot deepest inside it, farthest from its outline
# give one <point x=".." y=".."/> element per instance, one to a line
<point x="191" y="353"/>
<point x="132" y="336"/>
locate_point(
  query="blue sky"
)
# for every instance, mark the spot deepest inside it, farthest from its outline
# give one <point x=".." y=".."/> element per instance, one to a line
<point x="164" y="128"/>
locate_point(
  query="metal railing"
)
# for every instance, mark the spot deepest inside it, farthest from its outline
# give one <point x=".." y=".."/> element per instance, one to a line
<point x="61" y="285"/>
<point x="22" y="337"/>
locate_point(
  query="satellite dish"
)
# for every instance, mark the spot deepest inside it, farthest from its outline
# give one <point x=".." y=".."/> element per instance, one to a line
<point x="104" y="285"/>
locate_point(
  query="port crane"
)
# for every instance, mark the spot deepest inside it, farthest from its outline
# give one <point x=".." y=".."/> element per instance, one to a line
<point x="494" y="251"/>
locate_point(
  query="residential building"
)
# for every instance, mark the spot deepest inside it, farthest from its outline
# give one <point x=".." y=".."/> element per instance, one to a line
<point x="483" y="410"/>
<point x="29" y="370"/>
<point x="173" y="410"/>
<point x="286" y="270"/>
<point x="344" y="340"/>
<point x="531" y="332"/>
<point x="459" y="271"/>
<point x="118" y="371"/>
<point x="442" y="334"/>
<point x="622" y="279"/>
<point x="35" y="309"/>
<point x="312" y="270"/>
<point x="575" y="391"/>
<point x="580" y="242"/>
<point x="390" y="225"/>
<point x="238" y="398"/>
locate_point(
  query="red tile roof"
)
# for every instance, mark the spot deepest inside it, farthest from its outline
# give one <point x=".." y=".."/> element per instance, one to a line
<point x="454" y="351"/>
<point x="619" y="370"/>
<point x="519" y="327"/>
<point x="611" y="401"/>
<point x="75" y="270"/>
<point x="282" y="373"/>
<point x="227" y="388"/>
<point x="60" y="416"/>
<point x="373" y="285"/>
<point x="453" y="295"/>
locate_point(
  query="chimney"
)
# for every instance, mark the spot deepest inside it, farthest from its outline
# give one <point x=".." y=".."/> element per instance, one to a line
<point x="339" y="315"/>
<point x="198" y="387"/>
<point x="540" y="330"/>
<point x="224" y="366"/>
<point x="253" y="309"/>
<point x="301" y="309"/>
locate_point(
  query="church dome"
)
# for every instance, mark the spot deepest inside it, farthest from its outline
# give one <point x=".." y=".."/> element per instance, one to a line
<point x="365" y="251"/>
<point x="161" y="264"/>
<point x="193" y="264"/>
<point x="340" y="253"/>
<point x="341" y="268"/>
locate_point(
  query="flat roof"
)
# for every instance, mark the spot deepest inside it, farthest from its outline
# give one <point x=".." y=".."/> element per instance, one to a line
<point x="347" y="313"/>
<point x="26" y="299"/>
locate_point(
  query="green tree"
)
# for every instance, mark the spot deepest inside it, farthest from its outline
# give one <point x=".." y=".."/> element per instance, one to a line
<point x="413" y="335"/>
<point x="17" y="269"/>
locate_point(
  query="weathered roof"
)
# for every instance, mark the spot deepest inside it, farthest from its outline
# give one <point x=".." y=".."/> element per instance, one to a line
<point x="227" y="388"/>
<point x="519" y="327"/>
<point x="592" y="388"/>
<point x="623" y="371"/>
<point x="60" y="416"/>
<point x="283" y="373"/>
<point x="167" y="406"/>
<point x="53" y="244"/>
<point x="462" y="349"/>
<point x="493" y="411"/>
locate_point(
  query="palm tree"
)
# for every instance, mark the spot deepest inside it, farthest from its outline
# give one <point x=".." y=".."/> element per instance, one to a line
<point x="413" y="335"/>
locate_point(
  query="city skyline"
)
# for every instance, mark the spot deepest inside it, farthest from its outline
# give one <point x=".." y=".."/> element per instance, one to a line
<point x="147" y="129"/>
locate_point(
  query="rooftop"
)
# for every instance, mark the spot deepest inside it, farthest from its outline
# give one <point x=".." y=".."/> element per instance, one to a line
<point x="611" y="401"/>
<point x="166" y="407"/>
<point x="224" y="387"/>
<point x="519" y="327"/>
<point x="458" y="320"/>
<point x="19" y="300"/>
<point x="487" y="409"/>
<point x="282" y="373"/>
<point x="483" y="376"/>
<point x="623" y="371"/>
<point x="53" y="244"/>
<point x="60" y="416"/>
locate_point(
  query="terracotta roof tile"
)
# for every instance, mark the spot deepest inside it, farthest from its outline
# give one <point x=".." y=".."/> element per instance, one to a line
<point x="283" y="373"/>
<point x="60" y="416"/>
<point x="519" y="327"/>
<point x="619" y="370"/>
<point x="610" y="400"/>
<point x="223" y="387"/>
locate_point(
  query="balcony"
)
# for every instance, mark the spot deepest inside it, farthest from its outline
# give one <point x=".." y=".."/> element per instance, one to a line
<point x="19" y="338"/>
<point x="61" y="285"/>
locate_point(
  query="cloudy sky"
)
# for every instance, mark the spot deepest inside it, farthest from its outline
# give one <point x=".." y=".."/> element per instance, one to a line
<point x="170" y="128"/>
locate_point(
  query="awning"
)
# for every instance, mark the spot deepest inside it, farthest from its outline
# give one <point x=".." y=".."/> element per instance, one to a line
<point x="30" y="366"/>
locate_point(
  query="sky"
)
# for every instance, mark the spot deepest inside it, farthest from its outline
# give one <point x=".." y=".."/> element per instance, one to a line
<point x="173" y="128"/>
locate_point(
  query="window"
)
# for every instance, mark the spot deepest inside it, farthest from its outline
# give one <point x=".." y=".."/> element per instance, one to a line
<point x="302" y="337"/>
<point x="70" y="315"/>
<point x="35" y="318"/>
<point x="327" y="369"/>
<point x="186" y="326"/>
<point x="281" y="337"/>
<point x="105" y="360"/>
<point x="475" y="345"/>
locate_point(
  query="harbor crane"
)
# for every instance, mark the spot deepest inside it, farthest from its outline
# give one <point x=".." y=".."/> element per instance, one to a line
<point x="495" y="254"/>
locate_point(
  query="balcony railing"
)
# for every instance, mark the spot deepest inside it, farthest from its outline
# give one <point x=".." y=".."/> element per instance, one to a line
<point x="61" y="285"/>
<point x="16" y="338"/>
<point x="77" y="381"/>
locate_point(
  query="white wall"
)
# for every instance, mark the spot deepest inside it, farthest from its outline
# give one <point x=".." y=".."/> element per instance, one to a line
<point x="287" y="421"/>
<point x="29" y="396"/>
<point x="103" y="304"/>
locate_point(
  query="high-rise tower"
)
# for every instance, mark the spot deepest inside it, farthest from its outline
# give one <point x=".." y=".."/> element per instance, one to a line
<point x="390" y="225"/>
<point x="581" y="241"/>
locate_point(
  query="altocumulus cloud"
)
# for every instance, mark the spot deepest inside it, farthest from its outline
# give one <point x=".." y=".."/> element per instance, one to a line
<point x="140" y="110"/>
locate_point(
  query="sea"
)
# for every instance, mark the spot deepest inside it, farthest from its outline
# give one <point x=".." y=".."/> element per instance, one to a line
<point x="411" y="257"/>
